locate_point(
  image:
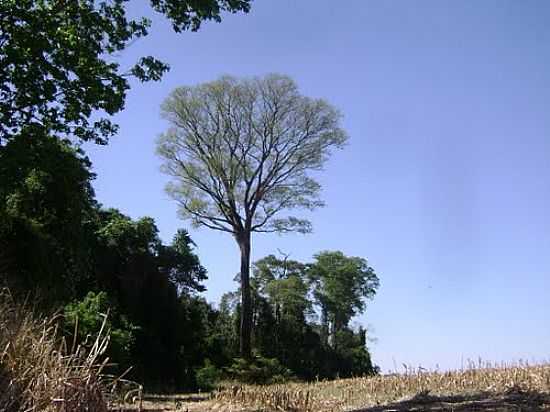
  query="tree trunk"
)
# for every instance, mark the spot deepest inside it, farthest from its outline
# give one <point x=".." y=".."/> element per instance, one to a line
<point x="324" y="325"/>
<point x="277" y="327"/>
<point x="246" y="308"/>
<point x="336" y="327"/>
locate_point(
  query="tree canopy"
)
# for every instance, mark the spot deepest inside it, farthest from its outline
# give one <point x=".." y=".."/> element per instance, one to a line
<point x="240" y="151"/>
<point x="286" y="324"/>
<point x="342" y="286"/>
<point x="46" y="206"/>
<point x="58" y="61"/>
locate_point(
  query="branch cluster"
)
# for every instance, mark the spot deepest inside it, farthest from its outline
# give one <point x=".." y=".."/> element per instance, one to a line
<point x="240" y="151"/>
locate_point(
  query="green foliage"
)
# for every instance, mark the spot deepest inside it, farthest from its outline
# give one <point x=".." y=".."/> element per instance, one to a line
<point x="131" y="251"/>
<point x="154" y="285"/>
<point x="351" y="354"/>
<point x="282" y="280"/>
<point x="240" y="152"/>
<point x="87" y="317"/>
<point x="208" y="376"/>
<point x="284" y="326"/>
<point x="181" y="265"/>
<point x="341" y="286"/>
<point x="47" y="207"/>
<point x="57" y="61"/>
<point x="259" y="370"/>
<point x="55" y="240"/>
<point x="189" y="14"/>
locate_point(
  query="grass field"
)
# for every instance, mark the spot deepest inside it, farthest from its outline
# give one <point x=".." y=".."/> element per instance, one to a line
<point x="481" y="387"/>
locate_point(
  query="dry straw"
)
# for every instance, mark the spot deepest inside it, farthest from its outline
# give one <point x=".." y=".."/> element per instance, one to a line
<point x="39" y="373"/>
<point x="360" y="393"/>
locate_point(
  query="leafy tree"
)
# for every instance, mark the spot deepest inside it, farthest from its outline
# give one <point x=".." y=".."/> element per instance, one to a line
<point x="181" y="265"/>
<point x="240" y="151"/>
<point x="129" y="250"/>
<point x="342" y="284"/>
<point x="57" y="63"/>
<point x="153" y="285"/>
<point x="281" y="282"/>
<point x="259" y="370"/>
<point x="285" y="328"/>
<point x="47" y="209"/>
<point x="227" y="324"/>
<point x="271" y="268"/>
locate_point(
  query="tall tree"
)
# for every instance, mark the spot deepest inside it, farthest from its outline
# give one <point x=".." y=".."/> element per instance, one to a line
<point x="57" y="61"/>
<point x="240" y="152"/>
<point x="342" y="285"/>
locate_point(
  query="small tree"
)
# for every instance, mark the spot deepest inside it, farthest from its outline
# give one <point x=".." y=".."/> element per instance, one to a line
<point x="240" y="151"/>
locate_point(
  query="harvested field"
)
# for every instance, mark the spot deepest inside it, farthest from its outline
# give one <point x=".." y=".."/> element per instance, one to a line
<point x="481" y="388"/>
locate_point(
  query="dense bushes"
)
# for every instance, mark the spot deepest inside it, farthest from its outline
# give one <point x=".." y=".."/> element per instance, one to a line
<point x="259" y="370"/>
<point x="87" y="316"/>
<point x="208" y="376"/>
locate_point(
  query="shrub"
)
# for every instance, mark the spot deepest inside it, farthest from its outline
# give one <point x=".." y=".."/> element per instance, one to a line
<point x="259" y="370"/>
<point x="208" y="376"/>
<point x="87" y="317"/>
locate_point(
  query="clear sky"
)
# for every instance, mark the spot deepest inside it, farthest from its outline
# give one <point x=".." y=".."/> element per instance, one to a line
<point x="444" y="186"/>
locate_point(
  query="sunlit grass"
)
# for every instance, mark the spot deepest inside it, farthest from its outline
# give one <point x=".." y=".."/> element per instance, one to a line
<point x="357" y="393"/>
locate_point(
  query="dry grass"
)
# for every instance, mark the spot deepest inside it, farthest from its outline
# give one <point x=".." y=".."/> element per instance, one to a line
<point x="39" y="373"/>
<point x="37" y="370"/>
<point x="477" y="387"/>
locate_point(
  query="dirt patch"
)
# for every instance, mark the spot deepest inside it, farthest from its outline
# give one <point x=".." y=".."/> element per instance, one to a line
<point x="170" y="403"/>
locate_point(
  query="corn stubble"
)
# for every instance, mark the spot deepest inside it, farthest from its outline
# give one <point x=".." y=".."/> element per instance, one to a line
<point x="481" y="385"/>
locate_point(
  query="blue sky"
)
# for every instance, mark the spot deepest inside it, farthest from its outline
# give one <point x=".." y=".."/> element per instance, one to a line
<point x="444" y="186"/>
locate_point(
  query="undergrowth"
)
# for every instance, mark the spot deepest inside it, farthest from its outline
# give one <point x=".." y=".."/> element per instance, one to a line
<point x="39" y="371"/>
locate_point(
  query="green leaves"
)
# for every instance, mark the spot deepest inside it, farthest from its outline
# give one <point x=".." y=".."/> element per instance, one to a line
<point x="56" y="68"/>
<point x="46" y="203"/>
<point x="259" y="370"/>
<point x="148" y="68"/>
<point x="190" y="14"/>
<point x="240" y="152"/>
<point x="86" y="317"/>
<point x="342" y="284"/>
<point x="53" y="72"/>
<point x="283" y="282"/>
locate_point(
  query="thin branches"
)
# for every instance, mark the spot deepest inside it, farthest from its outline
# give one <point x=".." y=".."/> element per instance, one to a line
<point x="240" y="151"/>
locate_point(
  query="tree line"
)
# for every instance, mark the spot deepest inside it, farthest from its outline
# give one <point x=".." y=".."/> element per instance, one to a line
<point x="56" y="240"/>
<point x="240" y="153"/>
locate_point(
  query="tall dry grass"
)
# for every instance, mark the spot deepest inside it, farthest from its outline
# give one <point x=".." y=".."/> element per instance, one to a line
<point x="360" y="393"/>
<point x="38" y="372"/>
